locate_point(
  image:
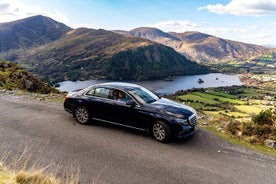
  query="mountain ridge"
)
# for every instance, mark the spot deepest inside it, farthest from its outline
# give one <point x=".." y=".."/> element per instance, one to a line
<point x="202" y="47"/>
<point x="20" y="35"/>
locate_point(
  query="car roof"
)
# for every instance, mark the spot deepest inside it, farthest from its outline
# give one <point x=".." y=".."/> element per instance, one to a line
<point x="118" y="85"/>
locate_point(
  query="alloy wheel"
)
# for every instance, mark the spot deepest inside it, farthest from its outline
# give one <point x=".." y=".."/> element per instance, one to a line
<point x="82" y="115"/>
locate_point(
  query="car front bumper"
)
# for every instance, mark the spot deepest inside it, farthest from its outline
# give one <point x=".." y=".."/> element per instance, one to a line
<point x="187" y="132"/>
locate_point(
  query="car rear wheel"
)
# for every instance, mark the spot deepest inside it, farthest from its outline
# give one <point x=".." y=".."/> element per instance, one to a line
<point x="82" y="115"/>
<point x="161" y="131"/>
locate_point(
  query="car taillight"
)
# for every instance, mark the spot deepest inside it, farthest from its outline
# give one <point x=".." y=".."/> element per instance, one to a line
<point x="67" y="96"/>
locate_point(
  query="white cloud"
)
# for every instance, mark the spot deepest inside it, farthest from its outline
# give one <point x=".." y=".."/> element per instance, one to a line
<point x="258" y="36"/>
<point x="244" y="7"/>
<point x="11" y="10"/>
<point x="176" y="26"/>
<point x="186" y="25"/>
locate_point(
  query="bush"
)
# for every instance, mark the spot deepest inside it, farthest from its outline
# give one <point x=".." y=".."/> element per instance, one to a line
<point x="248" y="129"/>
<point x="273" y="132"/>
<point x="233" y="127"/>
<point x="262" y="131"/>
<point x="264" y="117"/>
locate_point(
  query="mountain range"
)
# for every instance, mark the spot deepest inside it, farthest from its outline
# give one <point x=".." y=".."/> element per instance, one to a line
<point x="201" y="47"/>
<point x="92" y="54"/>
<point x="81" y="54"/>
<point x="56" y="52"/>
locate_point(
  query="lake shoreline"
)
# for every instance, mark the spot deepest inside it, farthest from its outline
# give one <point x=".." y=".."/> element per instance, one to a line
<point x="167" y="85"/>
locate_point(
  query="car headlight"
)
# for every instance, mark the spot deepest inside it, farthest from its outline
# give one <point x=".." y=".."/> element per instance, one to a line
<point x="182" y="121"/>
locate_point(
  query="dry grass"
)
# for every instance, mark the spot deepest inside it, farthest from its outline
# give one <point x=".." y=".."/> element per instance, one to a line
<point x="24" y="169"/>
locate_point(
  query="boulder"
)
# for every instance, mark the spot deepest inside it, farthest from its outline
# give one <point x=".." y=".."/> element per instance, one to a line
<point x="270" y="143"/>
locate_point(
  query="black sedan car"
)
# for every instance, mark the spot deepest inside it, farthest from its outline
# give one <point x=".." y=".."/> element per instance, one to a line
<point x="132" y="106"/>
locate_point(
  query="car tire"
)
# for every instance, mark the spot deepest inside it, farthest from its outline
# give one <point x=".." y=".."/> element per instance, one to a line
<point x="82" y="115"/>
<point x="161" y="131"/>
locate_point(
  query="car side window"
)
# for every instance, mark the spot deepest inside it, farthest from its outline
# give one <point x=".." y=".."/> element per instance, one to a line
<point x="90" y="92"/>
<point x="120" y="96"/>
<point x="101" y="92"/>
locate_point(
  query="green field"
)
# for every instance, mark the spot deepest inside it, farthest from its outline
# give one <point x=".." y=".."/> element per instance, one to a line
<point x="210" y="98"/>
<point x="238" y="103"/>
<point x="248" y="109"/>
<point x="230" y="111"/>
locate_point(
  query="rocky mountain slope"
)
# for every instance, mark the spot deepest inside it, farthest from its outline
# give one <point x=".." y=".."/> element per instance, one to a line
<point x="202" y="47"/>
<point x="13" y="76"/>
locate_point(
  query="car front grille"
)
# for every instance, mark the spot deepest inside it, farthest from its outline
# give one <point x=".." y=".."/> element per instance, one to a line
<point x="193" y="120"/>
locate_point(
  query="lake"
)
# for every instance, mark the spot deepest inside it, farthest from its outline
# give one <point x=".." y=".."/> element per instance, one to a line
<point x="169" y="86"/>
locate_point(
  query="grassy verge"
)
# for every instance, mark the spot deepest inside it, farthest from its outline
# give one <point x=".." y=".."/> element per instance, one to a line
<point x="27" y="168"/>
<point x="5" y="176"/>
<point x="23" y="177"/>
<point x="259" y="147"/>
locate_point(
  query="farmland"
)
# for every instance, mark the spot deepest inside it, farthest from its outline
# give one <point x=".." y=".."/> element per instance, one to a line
<point x="232" y="111"/>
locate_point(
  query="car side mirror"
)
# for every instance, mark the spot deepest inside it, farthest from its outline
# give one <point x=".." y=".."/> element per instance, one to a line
<point x="131" y="103"/>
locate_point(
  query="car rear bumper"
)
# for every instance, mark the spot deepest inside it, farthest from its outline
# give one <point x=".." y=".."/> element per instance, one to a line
<point x="68" y="107"/>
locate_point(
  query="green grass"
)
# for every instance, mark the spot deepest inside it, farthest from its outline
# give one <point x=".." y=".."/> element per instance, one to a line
<point x="249" y="109"/>
<point x="221" y="94"/>
<point x="228" y="113"/>
<point x="196" y="98"/>
<point x="218" y="98"/>
<point x="212" y="99"/>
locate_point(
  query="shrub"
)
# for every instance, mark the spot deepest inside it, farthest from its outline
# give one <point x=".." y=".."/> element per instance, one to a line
<point x="264" y="117"/>
<point x="233" y="127"/>
<point x="248" y="129"/>
<point x="262" y="131"/>
<point x="273" y="132"/>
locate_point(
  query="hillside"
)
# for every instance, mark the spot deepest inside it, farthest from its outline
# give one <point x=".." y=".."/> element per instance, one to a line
<point x="18" y="36"/>
<point x="202" y="47"/>
<point x="92" y="54"/>
<point x="13" y="76"/>
<point x="151" y="34"/>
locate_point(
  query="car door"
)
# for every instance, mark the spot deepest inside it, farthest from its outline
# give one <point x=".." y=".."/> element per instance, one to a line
<point x="100" y="103"/>
<point x="130" y="115"/>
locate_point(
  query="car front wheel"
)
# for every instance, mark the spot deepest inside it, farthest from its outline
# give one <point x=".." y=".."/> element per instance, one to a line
<point x="161" y="131"/>
<point x="82" y="115"/>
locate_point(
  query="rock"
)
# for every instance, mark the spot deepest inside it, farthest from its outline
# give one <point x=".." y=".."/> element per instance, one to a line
<point x="219" y="128"/>
<point x="28" y="84"/>
<point x="270" y="143"/>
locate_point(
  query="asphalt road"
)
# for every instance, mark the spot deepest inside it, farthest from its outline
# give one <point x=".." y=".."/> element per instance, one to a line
<point x="108" y="154"/>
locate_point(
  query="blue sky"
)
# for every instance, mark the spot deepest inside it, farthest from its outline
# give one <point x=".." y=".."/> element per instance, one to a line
<point x="250" y="21"/>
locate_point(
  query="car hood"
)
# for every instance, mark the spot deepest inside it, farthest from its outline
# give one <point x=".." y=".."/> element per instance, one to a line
<point x="172" y="108"/>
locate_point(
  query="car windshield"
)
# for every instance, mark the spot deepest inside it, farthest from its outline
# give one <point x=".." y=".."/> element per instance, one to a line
<point x="143" y="95"/>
